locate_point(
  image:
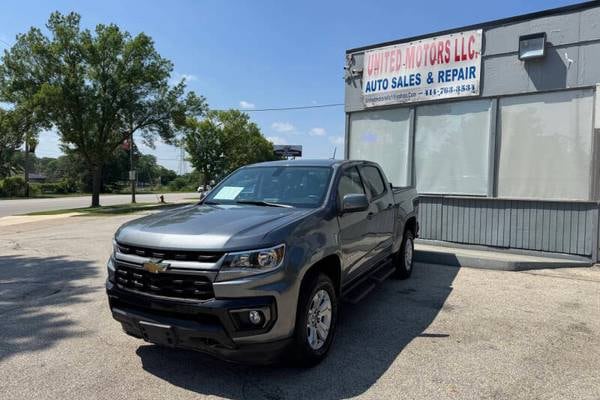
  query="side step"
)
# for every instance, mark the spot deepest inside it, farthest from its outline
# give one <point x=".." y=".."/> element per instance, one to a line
<point x="361" y="289"/>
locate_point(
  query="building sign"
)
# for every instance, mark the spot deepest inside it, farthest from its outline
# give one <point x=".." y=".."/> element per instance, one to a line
<point x="429" y="69"/>
<point x="287" y="150"/>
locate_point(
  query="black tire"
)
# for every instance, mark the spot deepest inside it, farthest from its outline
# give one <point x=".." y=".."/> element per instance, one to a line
<point x="404" y="258"/>
<point x="304" y="354"/>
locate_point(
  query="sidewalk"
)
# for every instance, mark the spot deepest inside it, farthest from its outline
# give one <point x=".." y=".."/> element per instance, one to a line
<point x="454" y="255"/>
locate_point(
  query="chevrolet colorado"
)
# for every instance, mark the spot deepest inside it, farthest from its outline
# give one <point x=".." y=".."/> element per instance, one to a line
<point x="259" y="267"/>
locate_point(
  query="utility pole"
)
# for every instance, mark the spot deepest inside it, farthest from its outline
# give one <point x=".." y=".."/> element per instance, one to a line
<point x="132" y="174"/>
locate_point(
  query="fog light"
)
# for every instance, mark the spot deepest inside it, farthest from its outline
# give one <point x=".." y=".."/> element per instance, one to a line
<point x="255" y="317"/>
<point x="251" y="319"/>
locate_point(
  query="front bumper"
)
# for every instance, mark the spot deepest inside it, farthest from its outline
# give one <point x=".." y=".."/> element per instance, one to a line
<point x="206" y="326"/>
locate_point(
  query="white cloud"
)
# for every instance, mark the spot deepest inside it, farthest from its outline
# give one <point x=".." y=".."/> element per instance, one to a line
<point x="317" y="132"/>
<point x="337" y="140"/>
<point x="282" y="127"/>
<point x="246" y="105"/>
<point x="176" y="77"/>
<point x="276" y="140"/>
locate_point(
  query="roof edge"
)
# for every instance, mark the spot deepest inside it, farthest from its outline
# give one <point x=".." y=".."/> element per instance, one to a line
<point x="488" y="24"/>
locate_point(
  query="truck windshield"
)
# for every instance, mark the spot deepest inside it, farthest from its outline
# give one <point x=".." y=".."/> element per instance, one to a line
<point x="273" y="186"/>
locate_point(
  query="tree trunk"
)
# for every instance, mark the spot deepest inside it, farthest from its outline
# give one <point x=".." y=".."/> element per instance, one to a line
<point x="26" y="168"/>
<point x="96" y="184"/>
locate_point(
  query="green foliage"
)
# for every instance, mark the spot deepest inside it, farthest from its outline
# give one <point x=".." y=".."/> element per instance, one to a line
<point x="178" y="184"/>
<point x="185" y="183"/>
<point x="96" y="88"/>
<point x="13" y="186"/>
<point x="69" y="173"/>
<point x="223" y="142"/>
<point x="11" y="139"/>
<point x="64" y="186"/>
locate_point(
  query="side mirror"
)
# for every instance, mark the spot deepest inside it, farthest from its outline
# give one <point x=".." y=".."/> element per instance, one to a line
<point x="354" y="203"/>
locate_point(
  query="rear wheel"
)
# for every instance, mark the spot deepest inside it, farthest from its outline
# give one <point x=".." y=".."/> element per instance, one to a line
<point x="404" y="258"/>
<point x="315" y="320"/>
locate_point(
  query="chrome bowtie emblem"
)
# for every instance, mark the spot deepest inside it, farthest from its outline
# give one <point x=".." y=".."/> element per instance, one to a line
<point x="155" y="266"/>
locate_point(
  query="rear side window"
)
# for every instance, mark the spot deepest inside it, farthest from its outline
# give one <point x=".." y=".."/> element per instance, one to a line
<point x="373" y="180"/>
<point x="350" y="183"/>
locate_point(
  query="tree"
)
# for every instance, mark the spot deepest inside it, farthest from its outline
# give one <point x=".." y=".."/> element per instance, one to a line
<point x="96" y="88"/>
<point x="223" y="142"/>
<point x="10" y="141"/>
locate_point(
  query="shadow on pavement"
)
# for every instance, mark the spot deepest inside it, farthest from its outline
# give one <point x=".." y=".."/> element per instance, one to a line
<point x="33" y="291"/>
<point x="370" y="337"/>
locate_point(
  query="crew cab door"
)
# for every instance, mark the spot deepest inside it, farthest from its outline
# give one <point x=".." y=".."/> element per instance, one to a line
<point x="381" y="213"/>
<point x="355" y="241"/>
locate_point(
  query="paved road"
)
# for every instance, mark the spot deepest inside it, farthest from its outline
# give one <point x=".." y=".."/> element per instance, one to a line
<point x="16" y="207"/>
<point x="446" y="333"/>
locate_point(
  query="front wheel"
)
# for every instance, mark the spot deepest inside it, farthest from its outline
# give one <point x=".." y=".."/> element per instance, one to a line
<point x="404" y="259"/>
<point x="315" y="321"/>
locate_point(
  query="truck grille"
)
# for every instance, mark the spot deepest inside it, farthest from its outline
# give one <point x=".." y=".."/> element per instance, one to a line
<point x="180" y="286"/>
<point x="201" y="256"/>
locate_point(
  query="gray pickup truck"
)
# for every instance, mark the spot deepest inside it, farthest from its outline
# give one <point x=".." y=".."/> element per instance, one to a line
<point x="259" y="267"/>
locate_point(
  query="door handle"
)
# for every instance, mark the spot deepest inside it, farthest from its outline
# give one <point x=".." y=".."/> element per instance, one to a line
<point x="390" y="205"/>
<point x="370" y="215"/>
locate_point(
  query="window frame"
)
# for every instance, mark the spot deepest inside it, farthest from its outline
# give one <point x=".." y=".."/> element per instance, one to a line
<point x="490" y="149"/>
<point x="408" y="175"/>
<point x="593" y="194"/>
<point x="365" y="178"/>
<point x="337" y="188"/>
<point x="495" y="142"/>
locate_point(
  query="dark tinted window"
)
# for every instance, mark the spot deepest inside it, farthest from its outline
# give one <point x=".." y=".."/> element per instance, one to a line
<point x="350" y="183"/>
<point x="373" y="180"/>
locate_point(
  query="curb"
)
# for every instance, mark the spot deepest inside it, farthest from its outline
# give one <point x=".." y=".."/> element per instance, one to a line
<point x="493" y="260"/>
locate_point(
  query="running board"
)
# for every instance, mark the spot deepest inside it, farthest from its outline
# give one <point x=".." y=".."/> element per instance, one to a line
<point x="359" y="290"/>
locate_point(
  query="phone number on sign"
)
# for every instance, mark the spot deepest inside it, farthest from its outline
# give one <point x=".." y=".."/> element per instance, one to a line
<point x="451" y="89"/>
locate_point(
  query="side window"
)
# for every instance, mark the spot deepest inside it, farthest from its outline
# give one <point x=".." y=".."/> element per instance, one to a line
<point x="373" y="181"/>
<point x="350" y="183"/>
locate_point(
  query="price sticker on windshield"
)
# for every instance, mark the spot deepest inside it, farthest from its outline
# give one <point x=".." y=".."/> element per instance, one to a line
<point x="228" y="193"/>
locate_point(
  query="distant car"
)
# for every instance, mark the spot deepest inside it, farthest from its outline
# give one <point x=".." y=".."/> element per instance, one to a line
<point x="258" y="267"/>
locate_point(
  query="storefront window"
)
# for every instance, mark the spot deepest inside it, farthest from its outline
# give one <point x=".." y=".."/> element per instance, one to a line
<point x="546" y="146"/>
<point x="382" y="136"/>
<point x="452" y="148"/>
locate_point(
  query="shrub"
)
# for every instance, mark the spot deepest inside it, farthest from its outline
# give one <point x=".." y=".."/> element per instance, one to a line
<point x="61" y="187"/>
<point x="178" y="184"/>
<point x="66" y="186"/>
<point x="13" y="186"/>
<point x="35" y="189"/>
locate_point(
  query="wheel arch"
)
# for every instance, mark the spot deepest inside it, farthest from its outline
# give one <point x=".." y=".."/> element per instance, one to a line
<point x="331" y="266"/>
<point x="412" y="226"/>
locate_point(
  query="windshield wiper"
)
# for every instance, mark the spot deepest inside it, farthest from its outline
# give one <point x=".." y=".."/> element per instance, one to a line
<point x="263" y="203"/>
<point x="211" y="202"/>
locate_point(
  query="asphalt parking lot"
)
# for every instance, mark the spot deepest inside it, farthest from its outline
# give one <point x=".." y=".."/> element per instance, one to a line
<point x="447" y="333"/>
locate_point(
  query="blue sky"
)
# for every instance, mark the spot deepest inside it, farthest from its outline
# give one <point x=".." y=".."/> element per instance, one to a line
<point x="264" y="54"/>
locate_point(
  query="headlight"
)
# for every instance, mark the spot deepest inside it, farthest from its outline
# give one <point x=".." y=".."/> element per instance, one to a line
<point x="259" y="260"/>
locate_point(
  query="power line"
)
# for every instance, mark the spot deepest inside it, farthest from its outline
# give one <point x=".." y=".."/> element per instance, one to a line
<point x="6" y="43"/>
<point x="290" y="108"/>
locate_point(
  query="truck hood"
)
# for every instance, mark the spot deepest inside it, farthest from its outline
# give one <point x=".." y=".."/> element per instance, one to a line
<point x="208" y="227"/>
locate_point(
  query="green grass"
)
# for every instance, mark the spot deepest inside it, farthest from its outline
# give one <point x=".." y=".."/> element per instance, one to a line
<point x="110" y="210"/>
<point x="46" y="196"/>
